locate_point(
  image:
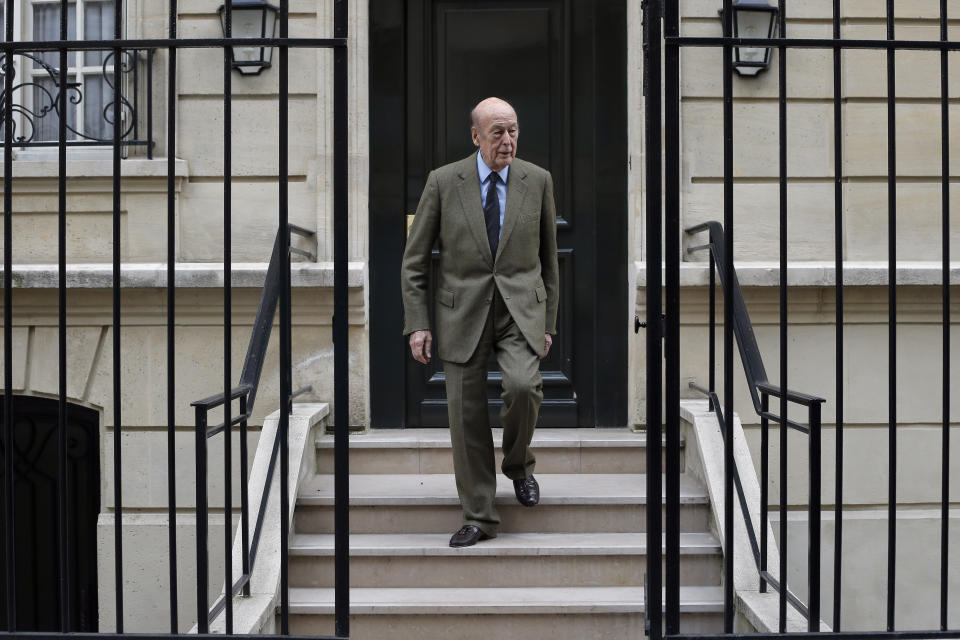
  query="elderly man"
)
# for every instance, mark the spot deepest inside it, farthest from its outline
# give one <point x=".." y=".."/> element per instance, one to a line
<point x="492" y="217"/>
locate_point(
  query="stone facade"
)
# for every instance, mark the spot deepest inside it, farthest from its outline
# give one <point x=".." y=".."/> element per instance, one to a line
<point x="199" y="250"/>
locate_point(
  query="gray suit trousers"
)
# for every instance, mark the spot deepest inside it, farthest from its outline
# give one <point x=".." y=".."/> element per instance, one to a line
<point x="522" y="393"/>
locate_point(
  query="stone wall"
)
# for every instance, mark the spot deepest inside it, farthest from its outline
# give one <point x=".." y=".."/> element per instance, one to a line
<point x="198" y="370"/>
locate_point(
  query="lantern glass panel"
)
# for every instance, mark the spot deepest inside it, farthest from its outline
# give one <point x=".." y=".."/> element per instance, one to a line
<point x="248" y="23"/>
<point x="269" y="31"/>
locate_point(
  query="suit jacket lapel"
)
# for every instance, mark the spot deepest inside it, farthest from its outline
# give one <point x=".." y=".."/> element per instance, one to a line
<point x="516" y="193"/>
<point x="471" y="205"/>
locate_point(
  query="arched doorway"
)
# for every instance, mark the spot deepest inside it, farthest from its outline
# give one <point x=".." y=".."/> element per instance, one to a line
<point x="36" y="515"/>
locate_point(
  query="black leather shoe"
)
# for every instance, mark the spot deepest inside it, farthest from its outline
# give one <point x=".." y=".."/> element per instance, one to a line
<point x="527" y="490"/>
<point x="468" y="536"/>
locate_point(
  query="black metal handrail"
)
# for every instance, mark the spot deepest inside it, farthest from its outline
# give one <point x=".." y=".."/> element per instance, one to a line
<point x="246" y="393"/>
<point x="760" y="391"/>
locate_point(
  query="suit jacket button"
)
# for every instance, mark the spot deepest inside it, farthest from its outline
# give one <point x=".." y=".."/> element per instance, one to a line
<point x="489" y="300"/>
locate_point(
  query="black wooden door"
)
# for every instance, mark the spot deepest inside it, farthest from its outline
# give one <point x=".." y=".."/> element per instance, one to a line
<point x="37" y="571"/>
<point x="562" y="64"/>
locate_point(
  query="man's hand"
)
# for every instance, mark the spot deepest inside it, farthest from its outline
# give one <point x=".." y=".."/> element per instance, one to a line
<point x="547" y="343"/>
<point x="420" y="342"/>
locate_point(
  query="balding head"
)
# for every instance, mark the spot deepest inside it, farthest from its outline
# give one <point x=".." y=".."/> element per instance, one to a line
<point x="489" y="107"/>
<point x="494" y="130"/>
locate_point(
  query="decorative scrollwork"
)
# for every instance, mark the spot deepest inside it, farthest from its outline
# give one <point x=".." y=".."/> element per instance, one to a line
<point x="46" y="96"/>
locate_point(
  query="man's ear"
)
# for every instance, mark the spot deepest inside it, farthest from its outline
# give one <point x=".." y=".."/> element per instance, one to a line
<point x="474" y="136"/>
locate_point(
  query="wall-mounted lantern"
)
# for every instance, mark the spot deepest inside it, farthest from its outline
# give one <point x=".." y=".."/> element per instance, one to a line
<point x="752" y="19"/>
<point x="251" y="19"/>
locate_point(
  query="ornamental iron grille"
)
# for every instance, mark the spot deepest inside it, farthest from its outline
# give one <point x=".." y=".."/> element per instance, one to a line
<point x="663" y="44"/>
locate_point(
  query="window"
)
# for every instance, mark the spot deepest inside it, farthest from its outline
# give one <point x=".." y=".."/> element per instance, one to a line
<point x="90" y="75"/>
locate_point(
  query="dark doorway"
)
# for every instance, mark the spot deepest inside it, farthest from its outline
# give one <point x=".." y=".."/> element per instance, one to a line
<point x="35" y="516"/>
<point x="562" y="64"/>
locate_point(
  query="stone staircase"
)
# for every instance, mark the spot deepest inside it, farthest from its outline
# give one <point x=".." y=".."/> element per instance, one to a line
<point x="571" y="567"/>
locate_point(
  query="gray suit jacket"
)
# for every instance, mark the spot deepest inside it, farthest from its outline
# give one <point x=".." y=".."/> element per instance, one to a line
<point x="524" y="270"/>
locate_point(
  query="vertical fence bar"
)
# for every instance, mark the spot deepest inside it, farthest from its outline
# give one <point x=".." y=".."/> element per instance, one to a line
<point x="117" y="418"/>
<point x="341" y="329"/>
<point x="203" y="576"/>
<point x="227" y="320"/>
<point x="285" y="356"/>
<point x="813" y="557"/>
<point x="892" y="322"/>
<point x="150" y="53"/>
<point x="945" y="322"/>
<point x="244" y="501"/>
<point x="784" y="352"/>
<point x="652" y="83"/>
<point x="838" y="322"/>
<point x="671" y="25"/>
<point x="171" y="315"/>
<point x="764" y="485"/>
<point x="63" y="534"/>
<point x="8" y="499"/>
<point x="728" y="463"/>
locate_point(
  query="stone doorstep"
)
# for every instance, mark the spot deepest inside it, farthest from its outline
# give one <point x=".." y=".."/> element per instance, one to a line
<point x="440" y="489"/>
<point x="440" y="439"/>
<point x="497" y="600"/>
<point x="506" y="544"/>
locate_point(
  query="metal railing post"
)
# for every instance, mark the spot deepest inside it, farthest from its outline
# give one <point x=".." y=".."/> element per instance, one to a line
<point x="203" y="576"/>
<point x="712" y="322"/>
<point x="813" y="558"/>
<point x="117" y="358"/>
<point x="171" y="317"/>
<point x="10" y="556"/>
<point x="672" y="249"/>
<point x="227" y="314"/>
<point x="285" y="323"/>
<point x="945" y="321"/>
<point x="891" y="323"/>
<point x="652" y="85"/>
<point x="63" y="508"/>
<point x="764" y="486"/>
<point x="244" y="500"/>
<point x="838" y="318"/>
<point x="341" y="335"/>
<point x="728" y="269"/>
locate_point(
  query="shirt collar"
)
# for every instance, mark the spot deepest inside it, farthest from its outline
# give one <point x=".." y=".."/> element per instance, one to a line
<point x="485" y="171"/>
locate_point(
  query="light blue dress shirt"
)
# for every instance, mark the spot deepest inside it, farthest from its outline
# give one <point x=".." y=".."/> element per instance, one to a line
<point x="485" y="172"/>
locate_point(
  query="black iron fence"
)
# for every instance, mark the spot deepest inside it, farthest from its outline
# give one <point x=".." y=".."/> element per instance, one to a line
<point x="277" y="293"/>
<point x="663" y="43"/>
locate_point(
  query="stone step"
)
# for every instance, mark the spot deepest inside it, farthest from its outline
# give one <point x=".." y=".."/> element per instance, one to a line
<point x="532" y="613"/>
<point x="510" y="560"/>
<point x="428" y="503"/>
<point x="394" y="451"/>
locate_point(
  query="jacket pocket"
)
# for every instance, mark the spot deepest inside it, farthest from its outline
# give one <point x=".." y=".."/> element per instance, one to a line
<point x="541" y="294"/>
<point x="445" y="297"/>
